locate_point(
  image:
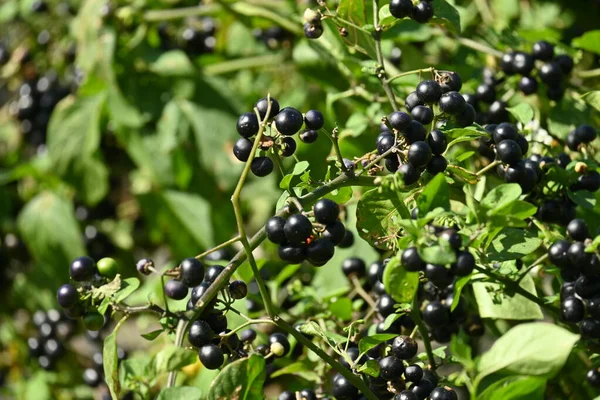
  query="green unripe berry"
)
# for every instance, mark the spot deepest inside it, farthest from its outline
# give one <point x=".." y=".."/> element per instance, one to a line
<point x="93" y="321"/>
<point x="277" y="349"/>
<point x="107" y="267"/>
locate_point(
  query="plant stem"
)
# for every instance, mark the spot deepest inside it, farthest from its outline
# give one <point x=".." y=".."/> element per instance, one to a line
<point x="270" y="60"/>
<point x="336" y="147"/>
<point x="179" y="335"/>
<point x="162" y="289"/>
<point x="346" y="373"/>
<point x="153" y="308"/>
<point x="346" y="22"/>
<point x="487" y="167"/>
<point x="413" y="72"/>
<point x="249" y="323"/>
<point x="423" y="332"/>
<point x="478" y="46"/>
<point x="219" y="247"/>
<point x="532" y="266"/>
<point x="361" y="292"/>
<point x="380" y="60"/>
<point x="593" y="73"/>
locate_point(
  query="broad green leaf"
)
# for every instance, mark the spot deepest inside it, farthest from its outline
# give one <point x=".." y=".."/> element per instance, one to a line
<point x="180" y="392"/>
<point x="299" y="168"/>
<point x="523" y="113"/>
<point x="304" y="369"/>
<point x="589" y="41"/>
<point x="399" y="283"/>
<point x="501" y="196"/>
<point x="377" y="216"/>
<point x="193" y="213"/>
<point x="512" y="243"/>
<point x="172" y="358"/>
<point x="37" y="387"/>
<point x="173" y="63"/>
<point x="437" y="255"/>
<point x="242" y="379"/>
<point x="435" y="194"/>
<point x="385" y="16"/>
<point x="341" y="308"/>
<point x="517" y="209"/>
<point x="459" y="135"/>
<point x="518" y="387"/>
<point x="150" y="336"/>
<point x="458" y="288"/>
<point x="537" y="349"/>
<point x="48" y="227"/>
<point x="446" y="15"/>
<point x="368" y="342"/>
<point x="110" y="361"/>
<point x="593" y="99"/>
<point x="493" y="302"/>
<point x="370" y="367"/>
<point x="354" y="11"/>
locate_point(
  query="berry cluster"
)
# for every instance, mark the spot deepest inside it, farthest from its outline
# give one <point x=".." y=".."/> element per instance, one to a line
<point x="53" y="329"/>
<point x="86" y="274"/>
<point x="551" y="70"/>
<point x="286" y="123"/>
<point x="299" y="240"/>
<point x="422" y="12"/>
<point x="199" y="38"/>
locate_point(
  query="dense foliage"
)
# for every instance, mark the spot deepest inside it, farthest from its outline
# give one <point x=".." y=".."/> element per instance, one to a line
<point x="299" y="199"/>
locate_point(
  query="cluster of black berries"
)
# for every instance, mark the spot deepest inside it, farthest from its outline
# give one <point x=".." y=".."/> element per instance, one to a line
<point x="287" y="122"/>
<point x="296" y="235"/>
<point x="85" y="274"/>
<point x="199" y="38"/>
<point x="274" y="37"/>
<point x="313" y="28"/>
<point x="422" y="12"/>
<point x="552" y="70"/>
<point x="37" y="98"/>
<point x="53" y="329"/>
<point x="424" y="150"/>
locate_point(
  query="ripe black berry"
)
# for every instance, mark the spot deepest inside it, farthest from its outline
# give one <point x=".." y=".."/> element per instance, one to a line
<point x="438" y="164"/>
<point x="550" y="73"/>
<point x="200" y="333"/>
<point x="309" y="136"/>
<point x="175" y="289"/>
<point x="248" y="335"/>
<point x="486" y="93"/>
<point x="590" y="328"/>
<point x="440" y="393"/>
<point x="557" y="253"/>
<point x="335" y="232"/>
<point x="313" y="31"/>
<point x="437" y="142"/>
<point x="435" y="314"/>
<point x="294" y="254"/>
<point x="67" y="296"/>
<point x="262" y="106"/>
<point x="385" y="305"/>
<point x="348" y="240"/>
<point x="528" y="85"/>
<point x="326" y="211"/>
<point x="409" y="174"/>
<point x="593" y="377"/>
<point x="247" y="125"/>
<point x="212" y="273"/>
<point x="523" y="144"/>
<point x="423" y="114"/>
<point x="522" y="63"/>
<point x="406" y="395"/>
<point x="585" y="133"/>
<point x="375" y="272"/>
<point x="320" y="251"/>
<point x="261" y="166"/>
<point x="314" y="120"/>
<point x="467" y="117"/>
<point x="413" y="373"/>
<point x="308" y="394"/>
<point x="289" y="121"/>
<point x="385" y="142"/>
<point x="450" y="81"/>
<point x="390" y="368"/>
<point x="411" y="260"/>
<point x="238" y="289"/>
<point x="543" y="50"/>
<point x="401" y="8"/>
<point x="404" y="347"/>
<point x="297" y="228"/>
<point x="211" y="356"/>
<point x="192" y="272"/>
<point x="354" y="266"/>
<point x="504" y="131"/>
<point x="589" y="181"/>
<point x="586" y="288"/>
<point x="343" y="389"/>
<point x="572" y="310"/>
<point x="412" y="100"/>
<point x="242" y="149"/>
<point x="577" y="254"/>
<point x="452" y="237"/>
<point x="82" y="269"/>
<point x="452" y="103"/>
<point x="274" y="230"/>
<point x="419" y="154"/>
<point x="464" y="265"/>
<point x="400" y="120"/>
<point x="509" y="152"/>
<point x="415" y="132"/>
<point x="428" y="91"/>
<point x="423" y="11"/>
<point x="288" y="146"/>
<point x="91" y="377"/>
<point x="578" y="230"/>
<point x="565" y="63"/>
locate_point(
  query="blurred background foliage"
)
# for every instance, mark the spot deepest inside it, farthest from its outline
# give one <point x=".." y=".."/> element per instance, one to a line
<point x="117" y="121"/>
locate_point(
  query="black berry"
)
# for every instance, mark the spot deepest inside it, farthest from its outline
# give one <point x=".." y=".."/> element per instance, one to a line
<point x="247" y="125"/>
<point x="423" y="11"/>
<point x="326" y="211"/>
<point x="262" y="106"/>
<point x="452" y="103"/>
<point x="401" y="8"/>
<point x="437" y="142"/>
<point x="509" y="152"/>
<point x="428" y="91"/>
<point x="309" y="136"/>
<point x="390" y="368"/>
<point x="289" y="121"/>
<point x="176" y="289"/>
<point x="314" y="120"/>
<point x="211" y="356"/>
<point x="261" y="166"/>
<point x="242" y="149"/>
<point x="274" y="230"/>
<point x="297" y="228"/>
<point x="404" y="347"/>
<point x="212" y="273"/>
<point x="82" y="269"/>
<point x="200" y="333"/>
<point x="192" y="272"/>
<point x="67" y="296"/>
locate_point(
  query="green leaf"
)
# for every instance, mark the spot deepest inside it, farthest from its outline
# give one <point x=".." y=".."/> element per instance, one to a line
<point x="399" y="283"/>
<point x="515" y="388"/>
<point x="592" y="98"/>
<point x="37" y="387"/>
<point x="304" y="369"/>
<point x="435" y="194"/>
<point x="493" y="302"/>
<point x="128" y="286"/>
<point x="458" y="288"/>
<point x="181" y="392"/>
<point x="589" y="41"/>
<point x="242" y="379"/>
<point x="111" y="361"/>
<point x="193" y="213"/>
<point x="172" y="358"/>
<point x="511" y="244"/>
<point x="501" y="195"/>
<point x="518" y="209"/>
<point x="377" y="215"/>
<point x="173" y="63"/>
<point x="341" y="308"/>
<point x="446" y="15"/>
<point x="385" y="16"/>
<point x="299" y="168"/>
<point x="150" y="336"/>
<point x="437" y="255"/>
<point x="48" y="227"/>
<point x="523" y="113"/>
<point x="370" y="367"/>
<point x="368" y="342"/>
<point x="537" y="349"/>
<point x="354" y="11"/>
<point x="583" y="198"/>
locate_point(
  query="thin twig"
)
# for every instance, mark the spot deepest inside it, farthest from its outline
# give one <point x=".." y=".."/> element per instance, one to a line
<point x="380" y="60"/>
<point x="219" y="247"/>
<point x="487" y="167"/>
<point x="478" y="46"/>
<point x="423" y="332"/>
<point x="413" y="72"/>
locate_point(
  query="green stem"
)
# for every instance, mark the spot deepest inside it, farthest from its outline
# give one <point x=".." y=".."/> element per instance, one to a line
<point x="423" y="332"/>
<point x="179" y="335"/>
<point x="413" y="72"/>
<point x="487" y="168"/>
<point x="346" y="22"/>
<point x="478" y="46"/>
<point x="532" y="266"/>
<point x="593" y="73"/>
<point x="336" y="147"/>
<point x="270" y="60"/>
<point x="249" y="323"/>
<point x="164" y="295"/>
<point x="380" y="60"/>
<point x="345" y="372"/>
<point x="219" y="247"/>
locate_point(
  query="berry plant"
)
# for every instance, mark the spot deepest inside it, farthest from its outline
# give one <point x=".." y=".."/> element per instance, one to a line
<point x="300" y="200"/>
